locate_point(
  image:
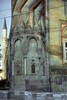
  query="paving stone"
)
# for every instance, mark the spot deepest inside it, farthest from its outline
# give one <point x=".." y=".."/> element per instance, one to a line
<point x="57" y="97"/>
<point x="49" y="96"/>
<point x="64" y="97"/>
<point x="27" y="96"/>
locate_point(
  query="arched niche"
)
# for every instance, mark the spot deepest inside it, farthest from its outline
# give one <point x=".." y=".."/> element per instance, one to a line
<point x="32" y="57"/>
<point x="17" y="48"/>
<point x="18" y="57"/>
<point x="64" y="31"/>
<point x="32" y="46"/>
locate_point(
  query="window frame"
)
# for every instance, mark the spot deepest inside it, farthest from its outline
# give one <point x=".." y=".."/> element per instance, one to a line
<point x="32" y="68"/>
<point x="64" y="51"/>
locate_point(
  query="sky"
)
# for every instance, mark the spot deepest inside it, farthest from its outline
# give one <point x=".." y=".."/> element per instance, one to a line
<point x="5" y="11"/>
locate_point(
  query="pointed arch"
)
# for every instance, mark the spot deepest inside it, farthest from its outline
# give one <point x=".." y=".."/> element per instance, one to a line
<point x="18" y="57"/>
<point x="32" y="45"/>
<point x="32" y="60"/>
<point x="17" y="48"/>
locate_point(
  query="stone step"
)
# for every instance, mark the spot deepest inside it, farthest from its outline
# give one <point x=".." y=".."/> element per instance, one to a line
<point x="3" y="95"/>
<point x="16" y="95"/>
<point x="26" y="95"/>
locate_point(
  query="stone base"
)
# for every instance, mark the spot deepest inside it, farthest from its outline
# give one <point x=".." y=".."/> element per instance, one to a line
<point x="3" y="95"/>
<point x="26" y="95"/>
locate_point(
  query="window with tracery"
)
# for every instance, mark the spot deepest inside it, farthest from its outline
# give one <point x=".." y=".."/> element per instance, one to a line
<point x="65" y="50"/>
<point x="33" y="68"/>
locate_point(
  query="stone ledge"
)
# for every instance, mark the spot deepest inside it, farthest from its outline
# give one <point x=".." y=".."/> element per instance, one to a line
<point x="26" y="95"/>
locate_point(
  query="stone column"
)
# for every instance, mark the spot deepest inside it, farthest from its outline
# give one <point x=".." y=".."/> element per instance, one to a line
<point x="25" y="65"/>
<point x="39" y="41"/>
<point x="12" y="71"/>
<point x="12" y="47"/>
<point x="12" y="67"/>
<point x="47" y="38"/>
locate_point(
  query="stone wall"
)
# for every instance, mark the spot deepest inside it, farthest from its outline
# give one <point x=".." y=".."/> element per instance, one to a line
<point x="56" y="15"/>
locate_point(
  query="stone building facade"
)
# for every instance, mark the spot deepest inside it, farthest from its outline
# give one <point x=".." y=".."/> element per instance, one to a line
<point x="58" y="25"/>
<point x="28" y="58"/>
<point x="38" y="45"/>
<point x="58" y="41"/>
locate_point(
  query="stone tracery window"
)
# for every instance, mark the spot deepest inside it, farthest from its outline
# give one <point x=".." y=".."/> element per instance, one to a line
<point x="33" y="68"/>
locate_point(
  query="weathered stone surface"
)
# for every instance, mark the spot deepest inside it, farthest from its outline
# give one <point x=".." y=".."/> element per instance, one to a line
<point x="49" y="96"/>
<point x="57" y="97"/>
<point x="64" y="97"/>
<point x="3" y="95"/>
<point x="16" y="95"/>
<point x="26" y="95"/>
